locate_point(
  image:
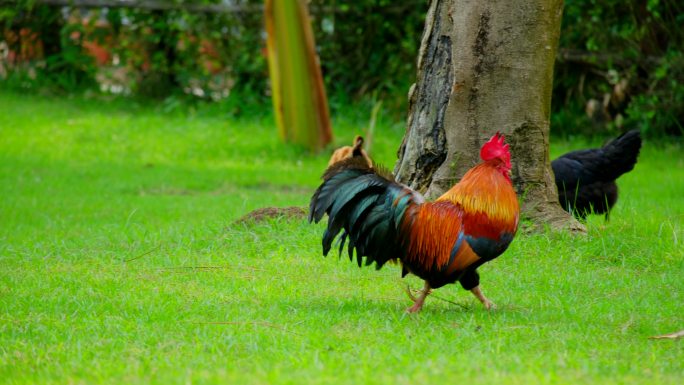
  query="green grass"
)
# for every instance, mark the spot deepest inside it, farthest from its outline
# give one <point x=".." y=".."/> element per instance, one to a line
<point x="119" y="263"/>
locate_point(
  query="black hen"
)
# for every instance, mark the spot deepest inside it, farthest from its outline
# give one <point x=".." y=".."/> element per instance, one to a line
<point x="586" y="178"/>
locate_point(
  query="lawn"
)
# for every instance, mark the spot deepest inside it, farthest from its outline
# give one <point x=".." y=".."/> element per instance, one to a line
<point x="120" y="263"/>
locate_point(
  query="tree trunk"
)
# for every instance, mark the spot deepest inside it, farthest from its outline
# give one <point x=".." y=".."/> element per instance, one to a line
<point x="485" y="66"/>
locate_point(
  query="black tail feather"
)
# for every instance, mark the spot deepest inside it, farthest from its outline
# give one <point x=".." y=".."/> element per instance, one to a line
<point x="598" y="165"/>
<point x="586" y="178"/>
<point x="360" y="202"/>
<point x="621" y="155"/>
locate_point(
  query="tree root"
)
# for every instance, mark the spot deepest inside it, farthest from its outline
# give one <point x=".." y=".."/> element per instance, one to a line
<point x="551" y="215"/>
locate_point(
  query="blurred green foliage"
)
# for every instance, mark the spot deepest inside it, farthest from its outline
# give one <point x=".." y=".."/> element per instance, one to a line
<point x="620" y="62"/>
<point x="155" y="53"/>
<point x="369" y="47"/>
<point x="364" y="47"/>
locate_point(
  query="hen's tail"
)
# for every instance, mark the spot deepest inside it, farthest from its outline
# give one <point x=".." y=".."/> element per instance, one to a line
<point x="598" y="165"/>
<point x="367" y="204"/>
<point x="619" y="155"/>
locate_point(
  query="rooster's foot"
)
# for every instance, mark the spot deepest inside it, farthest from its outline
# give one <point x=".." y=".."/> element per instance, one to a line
<point x="409" y="293"/>
<point x="485" y="301"/>
<point x="416" y="307"/>
<point x="418" y="302"/>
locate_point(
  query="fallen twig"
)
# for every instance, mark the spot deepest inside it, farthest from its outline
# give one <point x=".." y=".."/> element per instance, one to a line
<point x="408" y="290"/>
<point x="671" y="336"/>
<point x="143" y="254"/>
<point x="466" y="307"/>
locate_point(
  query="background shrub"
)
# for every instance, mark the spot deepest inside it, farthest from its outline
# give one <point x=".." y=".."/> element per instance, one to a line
<point x="620" y="63"/>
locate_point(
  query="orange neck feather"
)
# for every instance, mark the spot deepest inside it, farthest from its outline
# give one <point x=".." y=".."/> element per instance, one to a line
<point x="485" y="189"/>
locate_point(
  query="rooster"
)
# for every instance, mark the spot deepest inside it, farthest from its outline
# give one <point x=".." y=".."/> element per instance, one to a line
<point x="586" y="178"/>
<point x="442" y="241"/>
<point x="345" y="152"/>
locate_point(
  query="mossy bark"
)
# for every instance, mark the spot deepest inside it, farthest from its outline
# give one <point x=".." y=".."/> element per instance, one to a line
<point x="485" y="66"/>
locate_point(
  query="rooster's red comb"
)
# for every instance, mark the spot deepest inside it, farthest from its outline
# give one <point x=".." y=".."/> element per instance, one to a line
<point x="496" y="147"/>
<point x="497" y="138"/>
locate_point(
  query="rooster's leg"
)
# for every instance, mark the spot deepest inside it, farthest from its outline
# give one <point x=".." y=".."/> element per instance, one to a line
<point x="478" y="293"/>
<point x="410" y="294"/>
<point x="418" y="301"/>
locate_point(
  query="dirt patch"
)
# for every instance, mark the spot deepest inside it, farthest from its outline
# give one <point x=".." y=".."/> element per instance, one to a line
<point x="265" y="213"/>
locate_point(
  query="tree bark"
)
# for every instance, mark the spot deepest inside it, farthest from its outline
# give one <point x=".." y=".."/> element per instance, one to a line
<point x="485" y="66"/>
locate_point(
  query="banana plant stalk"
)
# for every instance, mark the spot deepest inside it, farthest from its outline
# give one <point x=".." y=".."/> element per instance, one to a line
<point x="299" y="100"/>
